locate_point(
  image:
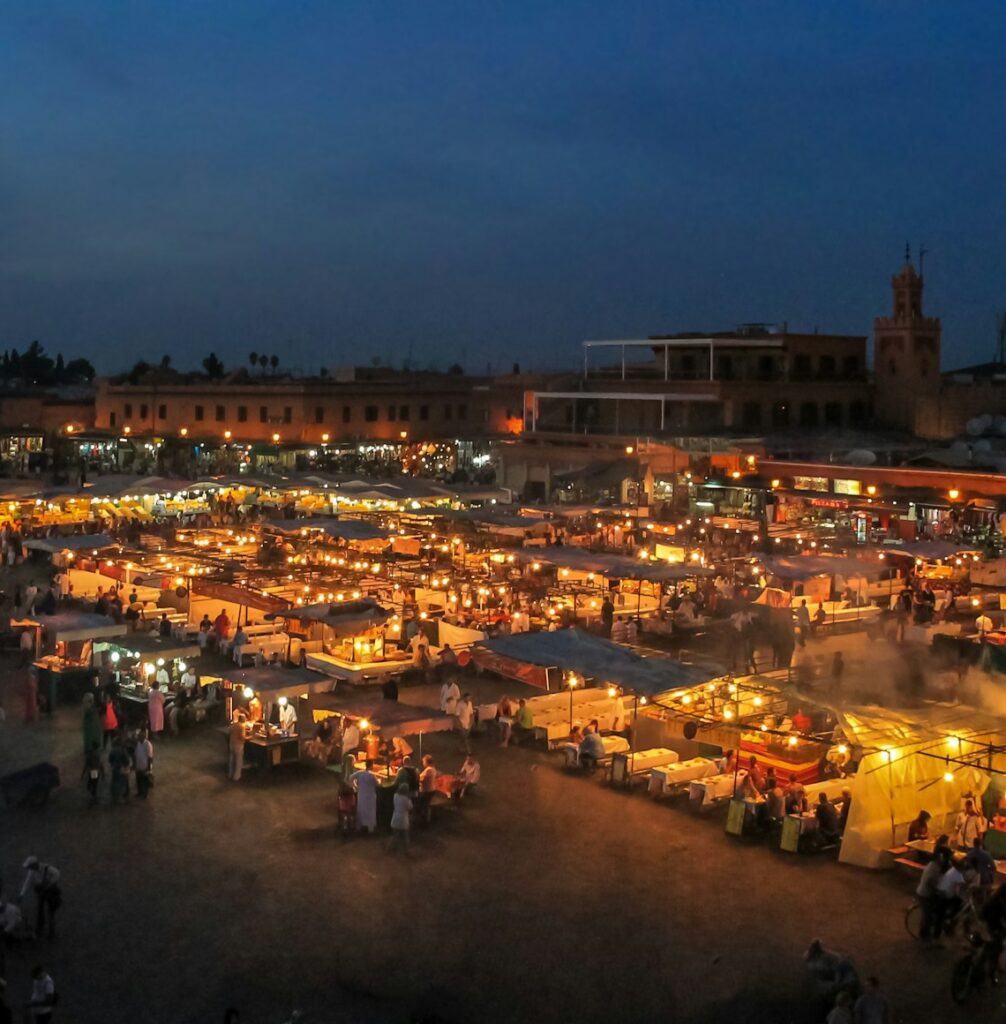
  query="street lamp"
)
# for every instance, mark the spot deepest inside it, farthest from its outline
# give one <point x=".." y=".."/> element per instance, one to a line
<point x="572" y="683"/>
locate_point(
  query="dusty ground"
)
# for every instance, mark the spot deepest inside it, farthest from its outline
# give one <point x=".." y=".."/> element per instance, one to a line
<point x="549" y="897"/>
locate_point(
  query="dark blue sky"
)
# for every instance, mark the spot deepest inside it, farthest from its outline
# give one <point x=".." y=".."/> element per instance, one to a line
<point x="489" y="181"/>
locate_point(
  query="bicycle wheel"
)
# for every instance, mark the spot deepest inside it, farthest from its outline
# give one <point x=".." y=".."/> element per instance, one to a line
<point x="913" y="920"/>
<point x="960" y="981"/>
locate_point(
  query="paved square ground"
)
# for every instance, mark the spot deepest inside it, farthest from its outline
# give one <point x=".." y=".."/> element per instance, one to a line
<point x="549" y="897"/>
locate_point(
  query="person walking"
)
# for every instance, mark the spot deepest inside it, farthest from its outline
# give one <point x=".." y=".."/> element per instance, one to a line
<point x="42" y="1001"/>
<point x="91" y="723"/>
<point x="465" y="713"/>
<point x="400" y="818"/>
<point x="366" y="784"/>
<point x="236" y="746"/>
<point x="109" y="722"/>
<point x="118" y="763"/>
<point x="155" y="709"/>
<point x="143" y="762"/>
<point x="41" y="883"/>
<point x="93" y="773"/>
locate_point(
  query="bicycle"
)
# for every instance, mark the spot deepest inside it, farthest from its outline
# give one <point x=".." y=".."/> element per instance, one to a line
<point x="967" y="916"/>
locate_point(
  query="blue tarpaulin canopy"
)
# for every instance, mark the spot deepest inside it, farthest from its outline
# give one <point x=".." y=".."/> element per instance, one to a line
<point x="613" y="566"/>
<point x="340" y="529"/>
<point x="575" y="651"/>
<point x="803" y="567"/>
<point x="75" y="542"/>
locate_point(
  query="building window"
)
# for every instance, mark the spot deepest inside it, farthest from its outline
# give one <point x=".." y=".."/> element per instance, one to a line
<point x="221" y="414"/>
<point x="688" y="367"/>
<point x="391" y="413"/>
<point x="263" y="414"/>
<point x="242" y="414"/>
<point x="111" y="419"/>
<point x="370" y="414"/>
<point x="143" y="410"/>
<point x="858" y="414"/>
<point x="848" y="487"/>
<point x="826" y="366"/>
<point x="923" y="368"/>
<point x="127" y="411"/>
<point x="287" y="414"/>
<point x="780" y="414"/>
<point x="750" y="415"/>
<point x="347" y="413"/>
<point x="832" y="414"/>
<point x="424" y="412"/>
<point x="808" y="414"/>
<point x="801" y="366"/>
<point x="199" y="413"/>
<point x="850" y="365"/>
<point x="810" y="483"/>
<point x="319" y="414"/>
<point x="403" y="413"/>
<point x="892" y="367"/>
<point x="766" y="370"/>
<point x="462" y="411"/>
<point x="447" y="411"/>
<point x="162" y="412"/>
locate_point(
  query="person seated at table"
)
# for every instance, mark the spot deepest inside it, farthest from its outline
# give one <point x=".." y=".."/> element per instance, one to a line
<point x="774" y="808"/>
<point x="240" y="642"/>
<point x="523" y="723"/>
<point x="827" y="819"/>
<point x="728" y="762"/>
<point x="796" y="796"/>
<point x="260" y="659"/>
<point x="919" y="828"/>
<point x="323" y="742"/>
<point x="504" y="719"/>
<point x="756" y="775"/>
<point x="408" y="775"/>
<point x="575" y="736"/>
<point x="820" y="617"/>
<point x="801" y="722"/>
<point x="591" y="749"/>
<point x="843" y="817"/>
<point x="747" y="790"/>
<point x="467" y="778"/>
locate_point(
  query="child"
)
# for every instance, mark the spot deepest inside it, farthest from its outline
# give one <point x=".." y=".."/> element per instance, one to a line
<point x="93" y="773"/>
<point x="347" y="809"/>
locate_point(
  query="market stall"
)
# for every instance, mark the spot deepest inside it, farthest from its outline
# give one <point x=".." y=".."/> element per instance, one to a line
<point x="346" y="641"/>
<point x="63" y="645"/>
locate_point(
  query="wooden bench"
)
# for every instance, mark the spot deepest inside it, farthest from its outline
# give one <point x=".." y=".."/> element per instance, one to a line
<point x="905" y="862"/>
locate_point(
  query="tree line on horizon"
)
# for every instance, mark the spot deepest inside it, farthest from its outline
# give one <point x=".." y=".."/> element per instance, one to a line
<point x="35" y="367"/>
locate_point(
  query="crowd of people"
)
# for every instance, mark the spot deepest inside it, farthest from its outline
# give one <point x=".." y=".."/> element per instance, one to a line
<point x="27" y="917"/>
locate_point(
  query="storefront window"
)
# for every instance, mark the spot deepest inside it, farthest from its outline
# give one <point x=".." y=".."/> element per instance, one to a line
<point x="848" y="487"/>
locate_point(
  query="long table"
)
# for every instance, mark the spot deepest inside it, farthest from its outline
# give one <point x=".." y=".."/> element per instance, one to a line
<point x="666" y="777"/>
<point x="714" y="787"/>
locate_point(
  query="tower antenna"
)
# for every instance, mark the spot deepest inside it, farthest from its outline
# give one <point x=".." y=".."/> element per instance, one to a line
<point x="922" y="256"/>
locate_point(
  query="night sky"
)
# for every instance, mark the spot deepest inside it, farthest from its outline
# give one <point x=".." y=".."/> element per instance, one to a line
<point x="489" y="182"/>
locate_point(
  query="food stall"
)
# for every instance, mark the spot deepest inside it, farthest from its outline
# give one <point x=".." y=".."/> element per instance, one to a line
<point x="260" y="693"/>
<point x="346" y="641"/>
<point x="135" y="661"/>
<point x="63" y="644"/>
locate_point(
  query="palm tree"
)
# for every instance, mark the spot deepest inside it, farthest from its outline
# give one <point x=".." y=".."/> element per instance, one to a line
<point x="274" y="362"/>
<point x="253" y="359"/>
<point x="263" y="361"/>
